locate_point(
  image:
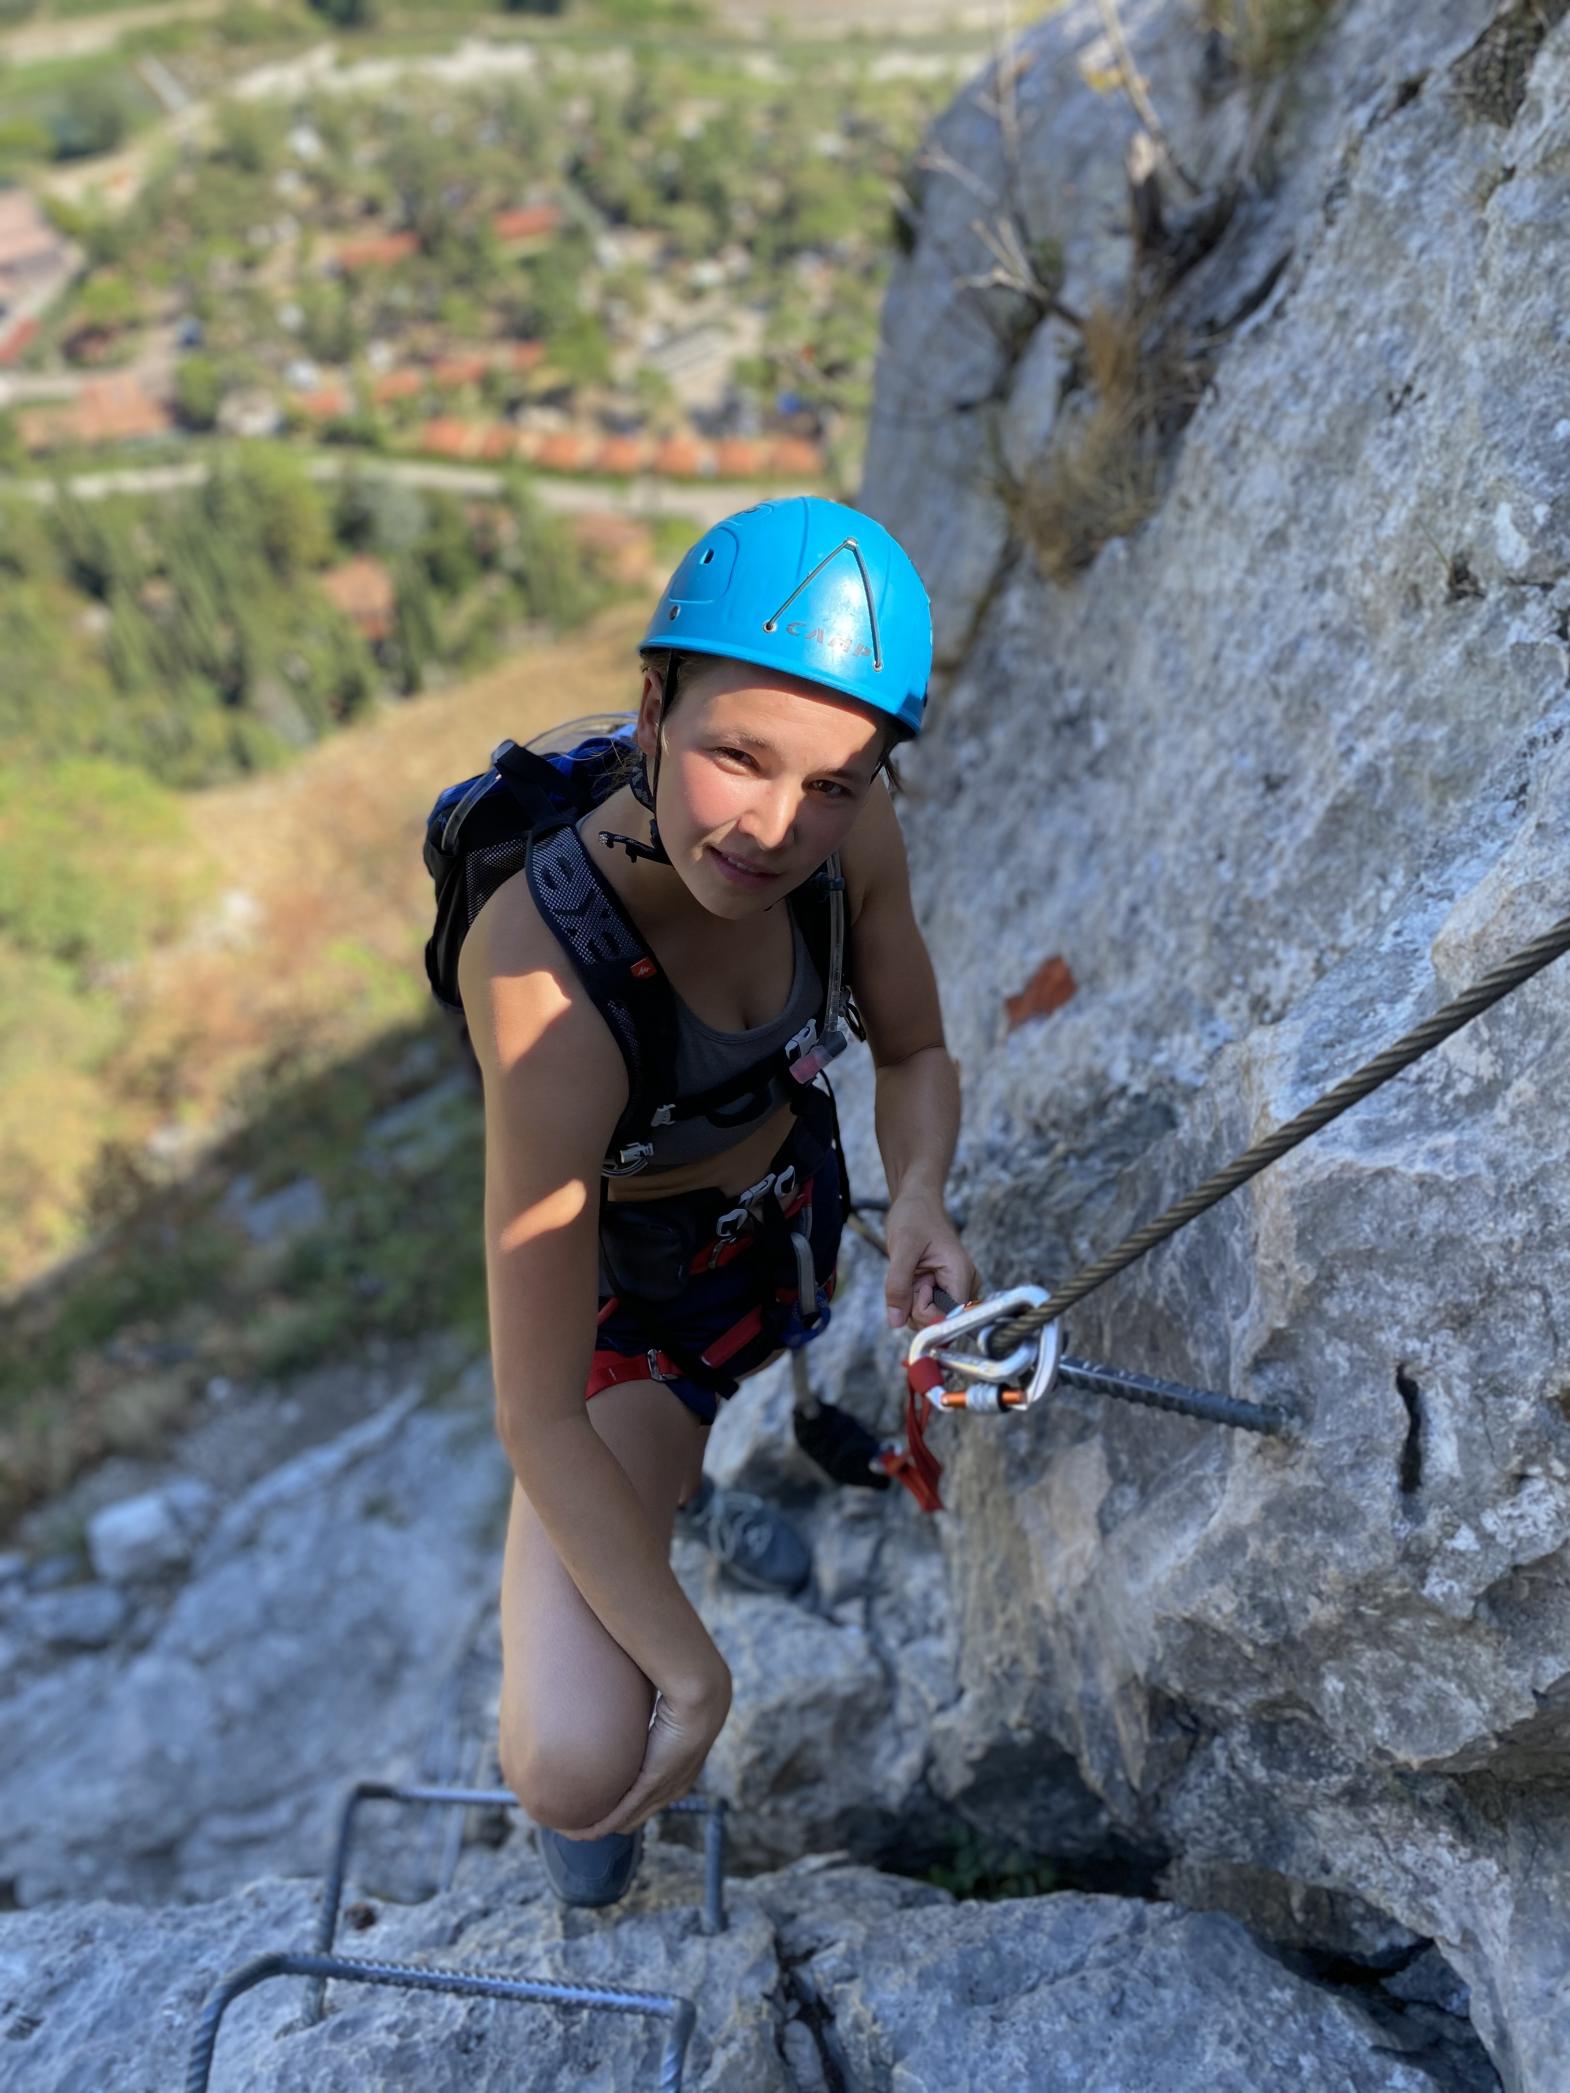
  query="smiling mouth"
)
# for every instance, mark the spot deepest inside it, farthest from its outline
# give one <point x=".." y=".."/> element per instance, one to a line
<point x="742" y="865"/>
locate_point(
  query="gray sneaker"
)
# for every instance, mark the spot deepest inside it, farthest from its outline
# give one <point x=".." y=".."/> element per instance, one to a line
<point x="589" y="1871"/>
<point x="749" y="1539"/>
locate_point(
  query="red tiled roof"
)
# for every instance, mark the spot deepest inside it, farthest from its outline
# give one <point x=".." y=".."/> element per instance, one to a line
<point x="565" y="450"/>
<point x="735" y="458"/>
<point x="795" y="455"/>
<point x="15" y="339"/>
<point x="362" y="588"/>
<point x="376" y="248"/>
<point x="496" y="441"/>
<point x="466" y="368"/>
<point x="108" y="410"/>
<point x="448" y="436"/>
<point x="400" y="384"/>
<point x="111" y="409"/>
<point x="324" y="402"/>
<point x="683" y="458"/>
<point x="526" y="222"/>
<point x="620" y="545"/>
<point x="622" y="454"/>
<point x="607" y="530"/>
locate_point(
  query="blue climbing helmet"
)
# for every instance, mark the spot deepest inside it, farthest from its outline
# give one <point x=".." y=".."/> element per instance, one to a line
<point x="813" y="588"/>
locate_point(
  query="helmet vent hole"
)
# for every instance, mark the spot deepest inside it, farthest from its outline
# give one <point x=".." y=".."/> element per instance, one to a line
<point x="707" y="557"/>
<point x="675" y="611"/>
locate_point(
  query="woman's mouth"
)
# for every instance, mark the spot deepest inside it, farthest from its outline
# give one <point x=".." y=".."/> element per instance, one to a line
<point x="737" y="869"/>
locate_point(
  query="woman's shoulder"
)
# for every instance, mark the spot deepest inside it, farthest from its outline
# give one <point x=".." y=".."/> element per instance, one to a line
<point x="522" y="991"/>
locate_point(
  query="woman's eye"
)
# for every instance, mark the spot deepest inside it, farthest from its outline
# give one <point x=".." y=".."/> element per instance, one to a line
<point x="741" y="756"/>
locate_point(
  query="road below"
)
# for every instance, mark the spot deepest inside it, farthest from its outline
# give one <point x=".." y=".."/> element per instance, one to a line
<point x="705" y="501"/>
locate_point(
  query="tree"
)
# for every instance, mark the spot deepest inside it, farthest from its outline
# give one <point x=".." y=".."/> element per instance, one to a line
<point x="264" y="502"/>
<point x="329" y="329"/>
<point x="348" y="14"/>
<point x="198" y="391"/>
<point x="107" y="301"/>
<point x="447" y="548"/>
<point x="416" y="637"/>
<point x="92" y="117"/>
<point x="248" y="136"/>
<point x="23" y="139"/>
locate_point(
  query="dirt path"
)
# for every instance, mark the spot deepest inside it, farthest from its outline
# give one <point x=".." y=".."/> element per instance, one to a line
<point x="36" y="42"/>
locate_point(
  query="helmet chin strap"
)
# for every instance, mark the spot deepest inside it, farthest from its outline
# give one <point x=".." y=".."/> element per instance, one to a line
<point x="646" y="793"/>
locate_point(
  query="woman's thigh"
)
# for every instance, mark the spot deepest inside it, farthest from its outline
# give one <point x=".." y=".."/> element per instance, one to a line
<point x="575" y="1707"/>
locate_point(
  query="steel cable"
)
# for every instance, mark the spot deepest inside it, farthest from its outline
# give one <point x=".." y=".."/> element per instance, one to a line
<point x="1531" y="959"/>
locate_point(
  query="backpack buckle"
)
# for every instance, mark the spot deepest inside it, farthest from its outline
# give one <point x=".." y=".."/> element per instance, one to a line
<point x="799" y="1042"/>
<point x="637" y="1155"/>
<point x="833" y="1042"/>
<point x="663" y="1116"/>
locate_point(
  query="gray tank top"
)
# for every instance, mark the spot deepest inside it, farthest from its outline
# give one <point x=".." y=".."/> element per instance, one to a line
<point x="705" y="1057"/>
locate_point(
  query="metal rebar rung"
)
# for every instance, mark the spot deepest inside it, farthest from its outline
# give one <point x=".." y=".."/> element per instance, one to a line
<point x="1155" y="1394"/>
<point x="407" y="1793"/>
<point x="669" y="2006"/>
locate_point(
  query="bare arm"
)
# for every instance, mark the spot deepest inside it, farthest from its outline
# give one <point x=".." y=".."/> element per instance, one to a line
<point x="917" y="1099"/>
<point x="554" y="1087"/>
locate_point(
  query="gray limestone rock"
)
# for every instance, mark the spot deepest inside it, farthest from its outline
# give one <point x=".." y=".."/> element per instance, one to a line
<point x="156" y="1530"/>
<point x="82" y="1616"/>
<point x="826" y="1975"/>
<point x="306" y="1644"/>
<point x="1282" y="770"/>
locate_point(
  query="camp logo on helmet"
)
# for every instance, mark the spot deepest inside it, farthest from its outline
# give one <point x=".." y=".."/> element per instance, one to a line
<point x="840" y="641"/>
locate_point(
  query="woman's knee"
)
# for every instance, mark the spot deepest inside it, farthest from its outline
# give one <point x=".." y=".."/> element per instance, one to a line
<point x="567" y="1790"/>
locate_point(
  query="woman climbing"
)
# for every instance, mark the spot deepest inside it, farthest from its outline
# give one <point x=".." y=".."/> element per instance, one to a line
<point x="786" y="659"/>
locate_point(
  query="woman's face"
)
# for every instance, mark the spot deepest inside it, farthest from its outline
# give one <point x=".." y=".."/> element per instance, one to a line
<point x="761" y="774"/>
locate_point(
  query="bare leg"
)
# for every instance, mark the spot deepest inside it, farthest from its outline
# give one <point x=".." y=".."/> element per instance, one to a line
<point x="575" y="1708"/>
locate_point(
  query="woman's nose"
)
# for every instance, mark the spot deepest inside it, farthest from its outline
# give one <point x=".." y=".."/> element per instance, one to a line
<point x="771" y="819"/>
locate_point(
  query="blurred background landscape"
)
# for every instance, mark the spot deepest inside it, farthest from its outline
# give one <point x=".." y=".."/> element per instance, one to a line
<point x="363" y="369"/>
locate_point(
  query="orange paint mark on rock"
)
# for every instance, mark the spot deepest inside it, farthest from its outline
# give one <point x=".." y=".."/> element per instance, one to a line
<point x="1048" y="989"/>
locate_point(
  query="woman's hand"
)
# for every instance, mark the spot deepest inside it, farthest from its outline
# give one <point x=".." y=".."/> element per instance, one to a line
<point x="924" y="1252"/>
<point x="681" y="1735"/>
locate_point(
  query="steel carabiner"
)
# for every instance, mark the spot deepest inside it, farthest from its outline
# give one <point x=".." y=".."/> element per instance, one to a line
<point x="1000" y="1379"/>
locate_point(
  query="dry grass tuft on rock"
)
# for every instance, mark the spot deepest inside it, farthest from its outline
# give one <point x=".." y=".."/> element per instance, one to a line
<point x="1268" y="34"/>
<point x="1100" y="476"/>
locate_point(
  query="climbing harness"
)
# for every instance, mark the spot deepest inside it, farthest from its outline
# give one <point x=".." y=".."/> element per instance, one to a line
<point x="1016" y="1337"/>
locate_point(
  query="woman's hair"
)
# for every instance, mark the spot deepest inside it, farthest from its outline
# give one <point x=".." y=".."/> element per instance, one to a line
<point x="677" y="669"/>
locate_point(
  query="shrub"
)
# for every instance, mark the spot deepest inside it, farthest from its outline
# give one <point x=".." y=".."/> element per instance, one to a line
<point x="1268" y="34"/>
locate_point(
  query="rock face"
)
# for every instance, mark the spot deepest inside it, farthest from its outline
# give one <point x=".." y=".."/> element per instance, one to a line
<point x="184" y="1831"/>
<point x="1277" y="772"/>
<point x="827" y="1975"/>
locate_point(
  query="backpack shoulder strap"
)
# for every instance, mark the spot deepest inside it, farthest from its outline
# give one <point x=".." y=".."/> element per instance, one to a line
<point x="622" y="975"/>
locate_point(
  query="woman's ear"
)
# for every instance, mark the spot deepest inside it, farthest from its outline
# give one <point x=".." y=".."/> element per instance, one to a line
<point x="650" y="705"/>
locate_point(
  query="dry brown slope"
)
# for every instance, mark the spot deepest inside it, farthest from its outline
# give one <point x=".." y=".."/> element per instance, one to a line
<point x="328" y="854"/>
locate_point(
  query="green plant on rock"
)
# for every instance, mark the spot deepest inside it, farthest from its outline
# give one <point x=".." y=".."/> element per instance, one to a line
<point x="981" y="1868"/>
<point x="1268" y="34"/>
